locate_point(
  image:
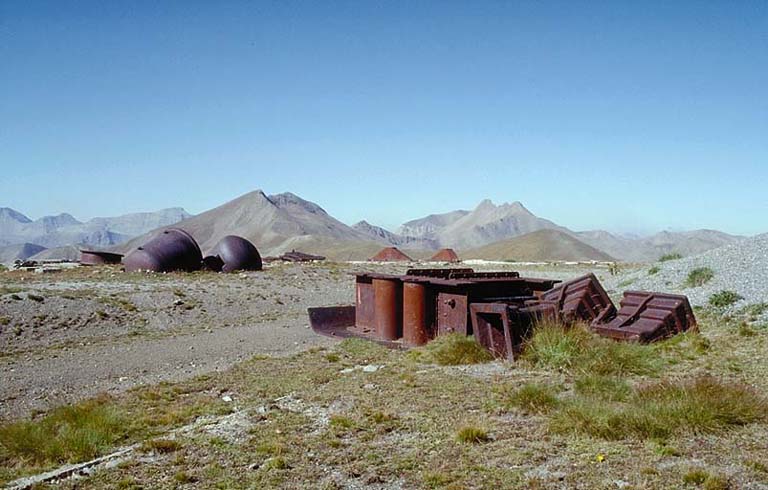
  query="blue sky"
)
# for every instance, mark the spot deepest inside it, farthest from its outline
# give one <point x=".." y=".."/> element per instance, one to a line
<point x="627" y="116"/>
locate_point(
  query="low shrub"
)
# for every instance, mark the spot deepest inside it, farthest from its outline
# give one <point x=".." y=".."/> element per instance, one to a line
<point x="699" y="276"/>
<point x="721" y="299"/>
<point x="670" y="256"/>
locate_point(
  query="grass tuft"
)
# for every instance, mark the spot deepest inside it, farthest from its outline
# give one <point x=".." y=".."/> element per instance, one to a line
<point x="451" y="350"/>
<point x="602" y="387"/>
<point x="555" y="346"/>
<point x="66" y="435"/>
<point x="654" y="270"/>
<point x="659" y="410"/>
<point x="472" y="435"/>
<point x="531" y="398"/>
<point x="670" y="256"/>
<point x="721" y="299"/>
<point x="161" y="446"/>
<point x="699" y="276"/>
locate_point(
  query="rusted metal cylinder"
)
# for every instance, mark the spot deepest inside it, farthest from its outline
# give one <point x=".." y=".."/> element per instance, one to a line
<point x="387" y="308"/>
<point x="415" y="314"/>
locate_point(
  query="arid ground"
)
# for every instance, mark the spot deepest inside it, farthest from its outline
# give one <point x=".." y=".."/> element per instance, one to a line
<point x="216" y="381"/>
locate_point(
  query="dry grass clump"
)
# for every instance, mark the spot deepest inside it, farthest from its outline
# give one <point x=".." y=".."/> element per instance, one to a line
<point x="659" y="410"/>
<point x="471" y="434"/>
<point x="602" y="387"/>
<point x="67" y="434"/>
<point x="451" y="350"/>
<point x="699" y="277"/>
<point x="530" y="397"/>
<point x="555" y="346"/>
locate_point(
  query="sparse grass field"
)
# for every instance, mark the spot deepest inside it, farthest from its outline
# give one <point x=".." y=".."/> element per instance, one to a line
<point x="576" y="410"/>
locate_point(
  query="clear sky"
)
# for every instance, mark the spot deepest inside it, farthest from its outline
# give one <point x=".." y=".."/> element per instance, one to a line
<point x="627" y="116"/>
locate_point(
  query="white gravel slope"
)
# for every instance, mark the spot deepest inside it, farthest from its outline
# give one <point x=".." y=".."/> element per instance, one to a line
<point x="741" y="267"/>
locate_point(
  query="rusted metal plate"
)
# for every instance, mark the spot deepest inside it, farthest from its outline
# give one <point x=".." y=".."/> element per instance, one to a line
<point x="294" y="256"/>
<point x="364" y="302"/>
<point x="339" y="322"/>
<point x="582" y="298"/>
<point x="452" y="313"/>
<point x="441" y="273"/>
<point x="647" y="317"/>
<point x="95" y="257"/>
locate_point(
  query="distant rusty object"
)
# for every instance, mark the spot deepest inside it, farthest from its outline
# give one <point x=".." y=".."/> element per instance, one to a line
<point x="172" y="250"/>
<point x="648" y="317"/>
<point x="388" y="309"/>
<point x="95" y="257"/>
<point x="445" y="255"/>
<point x="236" y="254"/>
<point x="390" y="254"/>
<point x="502" y="328"/>
<point x="582" y="298"/>
<point x="441" y="273"/>
<point x="364" y="303"/>
<point x="416" y="321"/>
<point x="294" y="256"/>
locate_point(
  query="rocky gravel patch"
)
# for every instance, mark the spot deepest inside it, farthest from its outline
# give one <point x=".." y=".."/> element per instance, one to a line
<point x="741" y="267"/>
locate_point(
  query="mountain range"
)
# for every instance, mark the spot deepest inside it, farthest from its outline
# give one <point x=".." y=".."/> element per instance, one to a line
<point x="281" y="222"/>
<point x="21" y="237"/>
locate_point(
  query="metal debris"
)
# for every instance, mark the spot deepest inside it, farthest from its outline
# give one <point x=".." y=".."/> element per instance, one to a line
<point x="96" y="257"/>
<point x="499" y="308"/>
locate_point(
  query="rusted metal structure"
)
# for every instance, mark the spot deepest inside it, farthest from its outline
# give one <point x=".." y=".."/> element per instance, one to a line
<point x="415" y="307"/>
<point x="390" y="254"/>
<point x="582" y="298"/>
<point x="499" y="308"/>
<point x="172" y="250"/>
<point x="294" y="256"/>
<point x="96" y="257"/>
<point x="646" y="317"/>
<point x="445" y="255"/>
<point x="233" y="253"/>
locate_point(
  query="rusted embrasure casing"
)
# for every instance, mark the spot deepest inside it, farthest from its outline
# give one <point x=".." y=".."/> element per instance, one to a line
<point x="173" y="249"/>
<point x="388" y="311"/>
<point x="415" y="319"/>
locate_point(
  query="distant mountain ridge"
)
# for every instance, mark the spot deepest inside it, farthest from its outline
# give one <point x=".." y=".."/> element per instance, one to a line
<point x="64" y="229"/>
<point x="280" y="222"/>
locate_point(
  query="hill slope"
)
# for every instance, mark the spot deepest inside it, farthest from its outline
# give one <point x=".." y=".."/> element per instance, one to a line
<point x="275" y="224"/>
<point x="541" y="245"/>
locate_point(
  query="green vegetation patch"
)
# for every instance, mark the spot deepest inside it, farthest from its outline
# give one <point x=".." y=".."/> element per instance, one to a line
<point x="654" y="270"/>
<point x="721" y="299"/>
<point x="451" y="350"/>
<point x="531" y="398"/>
<point x="699" y="276"/>
<point x="662" y="409"/>
<point x="67" y="434"/>
<point x="575" y="348"/>
<point x="670" y="256"/>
